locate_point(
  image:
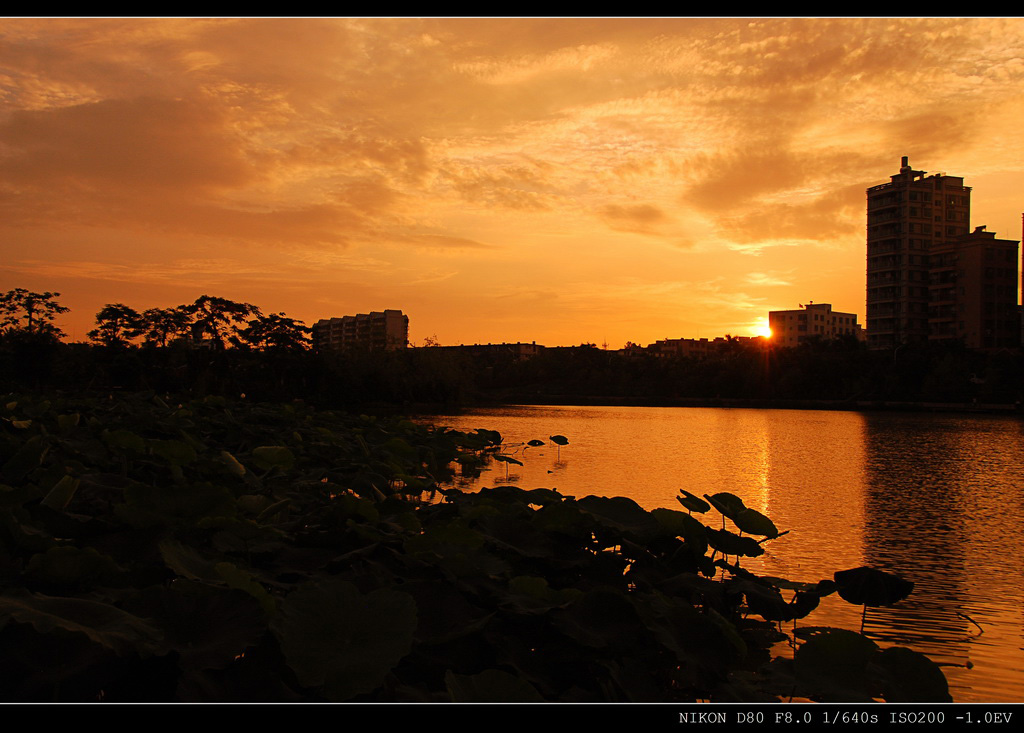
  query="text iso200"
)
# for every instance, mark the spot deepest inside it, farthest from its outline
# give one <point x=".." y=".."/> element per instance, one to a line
<point x="910" y="716"/>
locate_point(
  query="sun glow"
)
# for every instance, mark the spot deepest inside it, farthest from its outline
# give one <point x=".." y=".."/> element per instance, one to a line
<point x="762" y="329"/>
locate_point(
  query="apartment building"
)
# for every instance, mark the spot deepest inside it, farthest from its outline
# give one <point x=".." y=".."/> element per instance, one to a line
<point x="973" y="291"/>
<point x="907" y="219"/>
<point x="375" y="331"/>
<point x="814" y="320"/>
<point x="928" y="276"/>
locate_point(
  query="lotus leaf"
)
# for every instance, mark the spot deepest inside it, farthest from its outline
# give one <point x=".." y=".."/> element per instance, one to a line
<point x="207" y="626"/>
<point x="270" y="456"/>
<point x="767" y="602"/>
<point x="175" y="452"/>
<point x="343" y="641"/>
<point x="732" y="544"/>
<point x="694" y="533"/>
<point x="61" y="494"/>
<point x="834" y="665"/>
<point x="693" y="502"/>
<point x="69" y="567"/>
<point x="121" y="632"/>
<point x="912" y="677"/>
<point x="752" y="521"/>
<point x="66" y="423"/>
<point x="232" y="463"/>
<point x="124" y="440"/>
<point x="866" y="586"/>
<point x="534" y="595"/>
<point x="726" y="503"/>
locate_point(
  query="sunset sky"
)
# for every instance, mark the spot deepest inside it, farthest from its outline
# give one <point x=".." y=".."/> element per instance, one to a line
<point x="558" y="180"/>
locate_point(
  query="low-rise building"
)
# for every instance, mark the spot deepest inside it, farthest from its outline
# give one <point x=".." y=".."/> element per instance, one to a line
<point x="675" y="348"/>
<point x="518" y="351"/>
<point x="700" y="348"/>
<point x="814" y="320"/>
<point x="386" y="330"/>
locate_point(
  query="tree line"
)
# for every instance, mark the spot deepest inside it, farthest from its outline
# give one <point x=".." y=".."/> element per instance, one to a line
<point x="213" y="346"/>
<point x="834" y="370"/>
<point x="210" y="321"/>
<point x="218" y="346"/>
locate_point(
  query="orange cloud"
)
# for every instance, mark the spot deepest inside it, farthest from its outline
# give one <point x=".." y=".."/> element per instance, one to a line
<point x="823" y="220"/>
<point x="123" y="144"/>
<point x="512" y="186"/>
<point x="637" y="218"/>
<point x="441" y="241"/>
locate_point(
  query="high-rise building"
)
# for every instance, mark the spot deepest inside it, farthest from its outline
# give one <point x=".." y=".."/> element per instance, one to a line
<point x="928" y="276"/>
<point x="376" y="331"/>
<point x="907" y="219"/>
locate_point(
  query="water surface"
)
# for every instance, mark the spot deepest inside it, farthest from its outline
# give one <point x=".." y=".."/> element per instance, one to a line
<point x="938" y="499"/>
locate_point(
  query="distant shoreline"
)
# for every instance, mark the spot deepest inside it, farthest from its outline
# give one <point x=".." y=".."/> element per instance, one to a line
<point x="755" y="403"/>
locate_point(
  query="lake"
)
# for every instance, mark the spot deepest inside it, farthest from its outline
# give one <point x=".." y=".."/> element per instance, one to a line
<point x="936" y="498"/>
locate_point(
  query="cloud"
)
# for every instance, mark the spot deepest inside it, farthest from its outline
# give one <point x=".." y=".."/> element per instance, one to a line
<point x="440" y="241"/>
<point x="728" y="181"/>
<point x="528" y="294"/>
<point x="194" y="272"/>
<point x="118" y="144"/>
<point x="512" y="186"/>
<point x="824" y="219"/>
<point x="175" y="166"/>
<point x="931" y="132"/>
<point x="636" y="218"/>
<point x="766" y="279"/>
<point x="433" y="277"/>
<point x="757" y="248"/>
<point x="216" y="128"/>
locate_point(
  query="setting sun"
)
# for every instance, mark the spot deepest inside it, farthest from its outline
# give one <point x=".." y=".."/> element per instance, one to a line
<point x="763" y="330"/>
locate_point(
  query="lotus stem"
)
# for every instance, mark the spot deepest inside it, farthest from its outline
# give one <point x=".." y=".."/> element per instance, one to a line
<point x="964" y="615"/>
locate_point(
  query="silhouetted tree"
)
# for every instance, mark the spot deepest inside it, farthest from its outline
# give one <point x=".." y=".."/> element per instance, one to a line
<point x="277" y="331"/>
<point x="36" y="310"/>
<point x="161" y="324"/>
<point x="116" y="325"/>
<point x="220" y="319"/>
